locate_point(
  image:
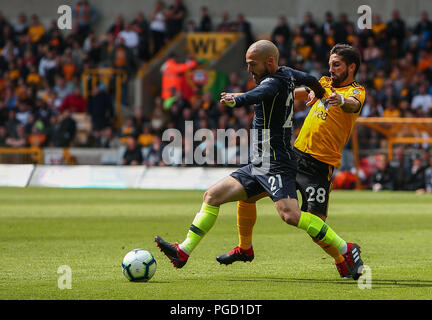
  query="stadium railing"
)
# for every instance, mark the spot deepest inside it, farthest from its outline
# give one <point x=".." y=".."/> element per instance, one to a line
<point x="396" y="131"/>
<point x="21" y="155"/>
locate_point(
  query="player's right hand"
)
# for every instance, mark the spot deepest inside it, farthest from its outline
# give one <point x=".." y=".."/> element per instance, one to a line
<point x="311" y="99"/>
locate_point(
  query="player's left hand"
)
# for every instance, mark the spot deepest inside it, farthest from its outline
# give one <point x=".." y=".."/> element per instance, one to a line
<point x="228" y="98"/>
<point x="335" y="99"/>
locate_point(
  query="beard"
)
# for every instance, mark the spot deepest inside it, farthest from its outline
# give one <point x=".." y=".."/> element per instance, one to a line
<point x="338" y="79"/>
<point x="258" y="77"/>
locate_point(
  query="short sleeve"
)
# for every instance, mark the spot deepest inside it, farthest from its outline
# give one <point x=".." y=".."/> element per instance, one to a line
<point x="357" y="92"/>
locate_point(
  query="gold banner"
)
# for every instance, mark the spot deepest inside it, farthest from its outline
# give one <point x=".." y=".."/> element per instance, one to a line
<point x="209" y="45"/>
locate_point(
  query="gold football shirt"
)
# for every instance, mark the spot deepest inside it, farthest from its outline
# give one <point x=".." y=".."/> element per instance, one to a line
<point x="327" y="129"/>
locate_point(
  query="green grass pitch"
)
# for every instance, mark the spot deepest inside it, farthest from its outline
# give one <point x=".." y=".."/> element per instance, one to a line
<point x="91" y="230"/>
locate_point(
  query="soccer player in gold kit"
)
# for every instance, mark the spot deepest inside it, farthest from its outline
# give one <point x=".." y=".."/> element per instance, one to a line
<point x="318" y="148"/>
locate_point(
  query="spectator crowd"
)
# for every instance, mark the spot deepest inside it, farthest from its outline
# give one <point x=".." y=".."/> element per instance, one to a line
<point x="41" y="68"/>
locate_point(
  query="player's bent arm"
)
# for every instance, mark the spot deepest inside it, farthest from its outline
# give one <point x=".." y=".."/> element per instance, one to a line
<point x="305" y="79"/>
<point x="351" y="105"/>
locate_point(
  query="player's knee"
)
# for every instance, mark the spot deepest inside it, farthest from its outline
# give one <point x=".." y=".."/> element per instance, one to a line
<point x="210" y="198"/>
<point x="288" y="215"/>
<point x="289" y="219"/>
<point x="206" y="196"/>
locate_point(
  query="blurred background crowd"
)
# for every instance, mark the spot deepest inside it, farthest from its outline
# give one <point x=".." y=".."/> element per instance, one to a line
<point x="41" y="87"/>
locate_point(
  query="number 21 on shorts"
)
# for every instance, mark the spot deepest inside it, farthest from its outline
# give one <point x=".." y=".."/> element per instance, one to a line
<point x="272" y="180"/>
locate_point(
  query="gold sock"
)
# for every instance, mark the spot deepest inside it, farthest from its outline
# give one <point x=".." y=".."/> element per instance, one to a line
<point x="330" y="250"/>
<point x="246" y="217"/>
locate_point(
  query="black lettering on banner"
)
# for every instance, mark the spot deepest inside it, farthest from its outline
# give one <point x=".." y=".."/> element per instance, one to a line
<point x="203" y="45"/>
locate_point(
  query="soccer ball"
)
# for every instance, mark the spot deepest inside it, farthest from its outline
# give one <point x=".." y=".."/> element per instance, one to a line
<point x="139" y="265"/>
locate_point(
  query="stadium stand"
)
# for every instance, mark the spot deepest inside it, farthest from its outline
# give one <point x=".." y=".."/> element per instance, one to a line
<point x="41" y="78"/>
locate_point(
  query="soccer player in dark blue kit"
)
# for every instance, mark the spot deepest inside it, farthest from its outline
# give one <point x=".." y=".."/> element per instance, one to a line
<point x="272" y="167"/>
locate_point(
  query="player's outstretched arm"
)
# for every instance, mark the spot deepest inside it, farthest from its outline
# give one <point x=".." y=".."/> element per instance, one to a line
<point x="268" y="88"/>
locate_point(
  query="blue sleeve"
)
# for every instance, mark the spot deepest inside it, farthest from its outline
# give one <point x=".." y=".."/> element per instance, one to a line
<point x="268" y="88"/>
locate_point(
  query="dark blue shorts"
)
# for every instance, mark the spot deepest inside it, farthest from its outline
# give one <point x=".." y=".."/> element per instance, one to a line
<point x="314" y="180"/>
<point x="277" y="185"/>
